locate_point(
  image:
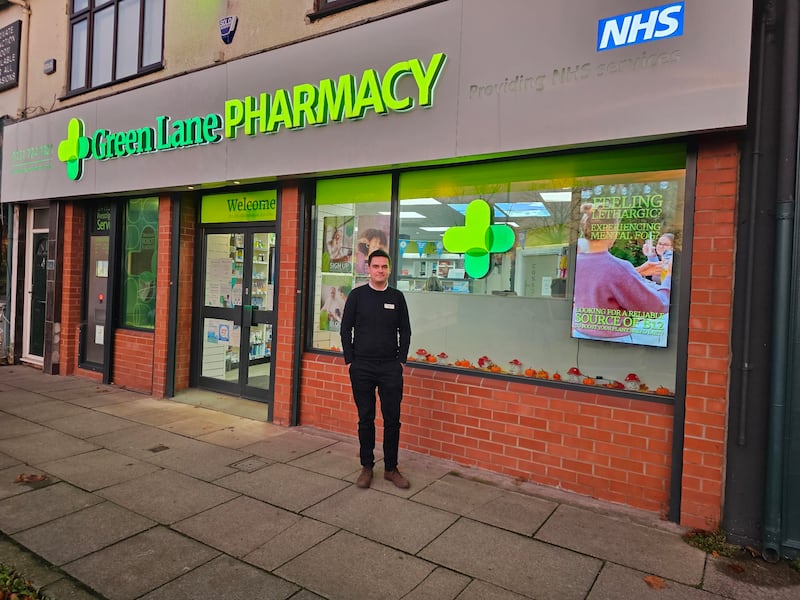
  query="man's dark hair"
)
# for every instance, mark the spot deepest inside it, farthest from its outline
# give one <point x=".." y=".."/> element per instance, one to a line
<point x="377" y="253"/>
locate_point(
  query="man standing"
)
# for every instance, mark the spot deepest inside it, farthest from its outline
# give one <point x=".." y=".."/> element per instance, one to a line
<point x="376" y="335"/>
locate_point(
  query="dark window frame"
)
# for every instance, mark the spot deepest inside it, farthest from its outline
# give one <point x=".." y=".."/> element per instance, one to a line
<point x="323" y="8"/>
<point x="88" y="14"/>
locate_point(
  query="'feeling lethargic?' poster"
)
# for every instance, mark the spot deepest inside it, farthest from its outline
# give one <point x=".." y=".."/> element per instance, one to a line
<point x="625" y="261"/>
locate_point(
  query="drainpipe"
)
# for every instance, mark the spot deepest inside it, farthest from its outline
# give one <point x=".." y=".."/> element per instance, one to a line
<point x="746" y="365"/>
<point x="786" y="172"/>
<point x="23" y="59"/>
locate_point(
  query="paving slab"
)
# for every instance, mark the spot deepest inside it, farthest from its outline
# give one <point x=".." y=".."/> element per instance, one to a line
<point x="44" y="446"/>
<point x="346" y="566"/>
<point x="75" y="393"/>
<point x="384" y="518"/>
<point x="162" y="415"/>
<point x="480" y="590"/>
<point x="69" y="589"/>
<point x="441" y="584"/>
<point x="340" y="460"/>
<point x="40" y="506"/>
<point x="166" y="496"/>
<point x="80" y="533"/>
<point x="138" y="404"/>
<point x="289" y="446"/>
<point x="42" y="412"/>
<point x="751" y="579"/>
<point x="203" y="421"/>
<point x="237" y="527"/>
<point x="285" y="486"/>
<point x="7" y="461"/>
<point x="457" y="495"/>
<point x="101" y="468"/>
<point x="9" y="486"/>
<point x="14" y="398"/>
<point x="513" y="562"/>
<point x="515" y="512"/>
<point x="244" y="433"/>
<point x="290" y="543"/>
<point x="107" y="398"/>
<point x="90" y="424"/>
<point x="616" y="582"/>
<point x="141" y="441"/>
<point x="12" y="426"/>
<point x="140" y="564"/>
<point x="241" y="582"/>
<point x="199" y="459"/>
<point x="27" y="563"/>
<point x="625" y="543"/>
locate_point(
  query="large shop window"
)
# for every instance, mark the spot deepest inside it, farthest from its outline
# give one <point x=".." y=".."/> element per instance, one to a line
<point x="563" y="267"/>
<point x="113" y="40"/>
<point x="141" y="263"/>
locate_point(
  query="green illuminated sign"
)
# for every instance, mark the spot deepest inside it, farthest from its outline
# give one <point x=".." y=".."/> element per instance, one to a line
<point x="478" y="238"/>
<point x="347" y="98"/>
<point x="234" y="208"/>
<point x="305" y="104"/>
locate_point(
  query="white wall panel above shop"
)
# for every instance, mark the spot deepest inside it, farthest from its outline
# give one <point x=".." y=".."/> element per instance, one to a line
<point x="519" y="75"/>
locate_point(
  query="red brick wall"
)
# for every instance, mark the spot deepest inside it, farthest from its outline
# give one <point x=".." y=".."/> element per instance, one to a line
<point x="610" y="448"/>
<point x="163" y="287"/>
<point x="183" y="352"/>
<point x="72" y="285"/>
<point x="283" y="342"/>
<point x="598" y="445"/>
<point x="133" y="360"/>
<point x="710" y="323"/>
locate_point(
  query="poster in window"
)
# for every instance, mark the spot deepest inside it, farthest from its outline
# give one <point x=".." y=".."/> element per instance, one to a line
<point x="334" y="291"/>
<point x="625" y="262"/>
<point x="141" y="263"/>
<point x="337" y="250"/>
<point x="373" y="234"/>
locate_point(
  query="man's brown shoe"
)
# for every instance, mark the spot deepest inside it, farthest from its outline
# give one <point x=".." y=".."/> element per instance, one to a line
<point x="365" y="478"/>
<point x="397" y="478"/>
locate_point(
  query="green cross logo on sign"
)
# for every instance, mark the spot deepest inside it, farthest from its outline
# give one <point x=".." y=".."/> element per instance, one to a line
<point x="75" y="149"/>
<point x="478" y="238"/>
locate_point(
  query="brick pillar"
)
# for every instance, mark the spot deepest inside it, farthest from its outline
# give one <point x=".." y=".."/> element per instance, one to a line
<point x="710" y="321"/>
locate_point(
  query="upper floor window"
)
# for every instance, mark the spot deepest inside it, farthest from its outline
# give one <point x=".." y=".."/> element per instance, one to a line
<point x="113" y="40"/>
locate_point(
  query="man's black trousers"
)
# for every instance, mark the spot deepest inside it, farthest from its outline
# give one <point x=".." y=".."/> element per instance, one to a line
<point x="387" y="378"/>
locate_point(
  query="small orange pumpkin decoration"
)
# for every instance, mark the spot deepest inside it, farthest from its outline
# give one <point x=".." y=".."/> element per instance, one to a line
<point x="588" y="381"/>
<point x="556" y="376"/>
<point x="495" y="369"/>
<point x="431" y="358"/>
<point x="542" y="374"/>
<point x="530" y="373"/>
<point x="662" y="391"/>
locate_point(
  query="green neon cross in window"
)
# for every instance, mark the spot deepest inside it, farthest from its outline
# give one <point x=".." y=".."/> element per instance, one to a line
<point x="478" y="238"/>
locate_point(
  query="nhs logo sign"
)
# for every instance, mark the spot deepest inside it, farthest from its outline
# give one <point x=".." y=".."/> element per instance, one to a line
<point x="646" y="25"/>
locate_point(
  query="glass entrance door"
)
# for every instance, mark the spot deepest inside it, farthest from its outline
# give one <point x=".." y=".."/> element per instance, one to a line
<point x="238" y="316"/>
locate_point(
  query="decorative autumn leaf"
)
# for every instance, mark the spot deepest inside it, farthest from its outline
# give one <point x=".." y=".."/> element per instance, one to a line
<point x="736" y="568"/>
<point x="655" y="582"/>
<point x="29" y="478"/>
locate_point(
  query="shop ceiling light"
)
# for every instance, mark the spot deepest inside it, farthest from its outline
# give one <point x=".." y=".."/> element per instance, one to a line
<point x="405" y="214"/>
<point x="434" y="228"/>
<point x="419" y="202"/>
<point x="523" y="209"/>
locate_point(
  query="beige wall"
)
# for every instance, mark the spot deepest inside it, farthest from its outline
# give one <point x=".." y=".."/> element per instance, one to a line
<point x="191" y="41"/>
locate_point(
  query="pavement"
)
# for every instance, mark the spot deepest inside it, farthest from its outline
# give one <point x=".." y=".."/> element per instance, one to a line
<point x="145" y="498"/>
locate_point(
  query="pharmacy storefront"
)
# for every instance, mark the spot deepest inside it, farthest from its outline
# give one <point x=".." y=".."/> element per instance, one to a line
<point x="538" y="175"/>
